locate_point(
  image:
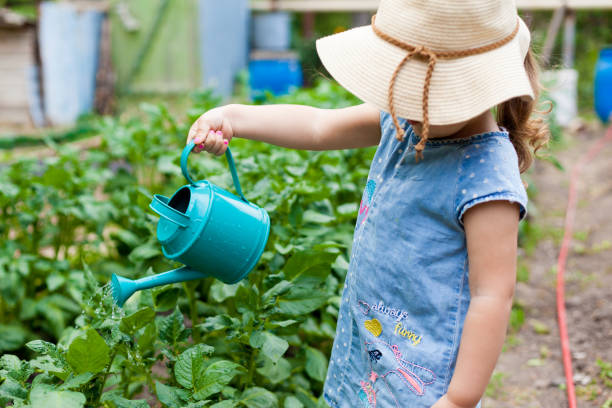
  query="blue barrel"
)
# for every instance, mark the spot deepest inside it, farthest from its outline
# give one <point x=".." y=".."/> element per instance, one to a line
<point x="69" y="46"/>
<point x="224" y="42"/>
<point x="278" y="76"/>
<point x="603" y="85"/>
<point x="272" y="31"/>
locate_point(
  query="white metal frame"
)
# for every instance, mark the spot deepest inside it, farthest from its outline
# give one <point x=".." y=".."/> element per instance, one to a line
<point x="371" y="5"/>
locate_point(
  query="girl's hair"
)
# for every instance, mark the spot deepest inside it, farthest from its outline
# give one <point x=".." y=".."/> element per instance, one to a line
<point x="527" y="133"/>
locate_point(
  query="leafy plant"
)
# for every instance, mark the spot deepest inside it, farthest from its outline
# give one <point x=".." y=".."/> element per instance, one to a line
<point x="73" y="219"/>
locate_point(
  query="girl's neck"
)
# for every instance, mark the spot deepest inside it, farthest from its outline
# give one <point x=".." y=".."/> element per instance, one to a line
<point x="483" y="123"/>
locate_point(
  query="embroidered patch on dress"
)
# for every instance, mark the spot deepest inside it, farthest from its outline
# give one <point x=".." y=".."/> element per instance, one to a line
<point x="408" y="334"/>
<point x="401" y="376"/>
<point x="380" y="307"/>
<point x="364" y="207"/>
<point x="365" y="308"/>
<point x="367" y="395"/>
<point x="373" y="326"/>
<point x="375" y="355"/>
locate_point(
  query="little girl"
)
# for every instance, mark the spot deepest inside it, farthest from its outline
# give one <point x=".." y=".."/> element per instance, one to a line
<point x="429" y="290"/>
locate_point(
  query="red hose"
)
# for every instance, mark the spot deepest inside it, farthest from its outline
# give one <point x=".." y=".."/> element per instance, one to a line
<point x="562" y="261"/>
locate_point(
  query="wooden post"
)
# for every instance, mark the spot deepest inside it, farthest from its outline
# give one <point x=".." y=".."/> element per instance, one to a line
<point x="551" y="35"/>
<point x="308" y="25"/>
<point x="361" y="19"/>
<point x="105" y="101"/>
<point x="569" y="39"/>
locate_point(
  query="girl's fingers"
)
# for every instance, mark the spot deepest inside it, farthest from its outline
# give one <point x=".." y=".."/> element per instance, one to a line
<point x="225" y="146"/>
<point x="198" y="131"/>
<point x="215" y="149"/>
<point x="219" y="144"/>
<point x="209" y="143"/>
<point x="206" y="139"/>
<point x="199" y="140"/>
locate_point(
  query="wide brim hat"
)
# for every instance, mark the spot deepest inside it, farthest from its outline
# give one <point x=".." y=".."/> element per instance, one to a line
<point x="460" y="88"/>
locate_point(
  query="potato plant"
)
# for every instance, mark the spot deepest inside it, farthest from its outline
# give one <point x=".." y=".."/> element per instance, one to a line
<point x="72" y="220"/>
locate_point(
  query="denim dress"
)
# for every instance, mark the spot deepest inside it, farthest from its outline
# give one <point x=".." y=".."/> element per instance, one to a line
<point x="406" y="292"/>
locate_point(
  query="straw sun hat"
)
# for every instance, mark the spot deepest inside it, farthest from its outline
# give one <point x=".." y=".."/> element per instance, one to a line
<point x="436" y="61"/>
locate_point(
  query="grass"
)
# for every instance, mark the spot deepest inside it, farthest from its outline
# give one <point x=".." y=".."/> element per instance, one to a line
<point x="496" y="385"/>
<point x="605" y="372"/>
<point x="532" y="233"/>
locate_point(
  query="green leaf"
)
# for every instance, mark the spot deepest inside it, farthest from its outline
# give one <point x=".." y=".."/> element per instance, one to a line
<point x="125" y="236"/>
<point x="224" y="404"/>
<point x="144" y="252"/>
<point x="88" y="353"/>
<point x="219" y="322"/>
<point x="172" y="328"/>
<point x="292" y="402"/>
<point x="146" y="341"/>
<point x="283" y="323"/>
<point x="136" y="321"/>
<point x="120" y="402"/>
<point x="165" y="299"/>
<point x="219" y="291"/>
<point x="54" y="281"/>
<point x="257" y="397"/>
<point x="301" y="301"/>
<point x="12" y="390"/>
<point x="73" y="382"/>
<point x="10" y="362"/>
<point x="317" y="217"/>
<point x="49" y="350"/>
<point x="348" y="209"/>
<point x="279" y="289"/>
<point x="15" y="368"/>
<point x="275" y="372"/>
<point x="44" y="395"/>
<point x="271" y="345"/>
<point x="297" y="171"/>
<point x="307" y="271"/>
<point x="216" y="376"/>
<point x="172" y="397"/>
<point x="302" y="262"/>
<point x="190" y="364"/>
<point x="316" y="364"/>
<point x="12" y="337"/>
<point x="48" y="365"/>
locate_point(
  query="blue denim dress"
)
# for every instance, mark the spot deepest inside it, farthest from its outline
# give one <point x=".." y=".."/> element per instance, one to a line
<point x="406" y="292"/>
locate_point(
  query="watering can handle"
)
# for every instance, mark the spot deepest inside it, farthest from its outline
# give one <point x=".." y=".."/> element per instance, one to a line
<point x="230" y="161"/>
<point x="161" y="207"/>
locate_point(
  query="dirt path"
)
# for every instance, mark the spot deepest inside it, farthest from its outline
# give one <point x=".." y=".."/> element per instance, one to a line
<point x="530" y="372"/>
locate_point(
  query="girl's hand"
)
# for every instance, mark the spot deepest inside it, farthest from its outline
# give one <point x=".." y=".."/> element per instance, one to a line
<point x="444" y="402"/>
<point x="212" y="132"/>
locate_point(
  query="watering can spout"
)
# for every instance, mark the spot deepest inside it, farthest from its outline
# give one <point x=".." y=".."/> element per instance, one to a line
<point x="124" y="288"/>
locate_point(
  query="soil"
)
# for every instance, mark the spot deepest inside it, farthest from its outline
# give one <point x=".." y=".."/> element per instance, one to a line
<point x="530" y="370"/>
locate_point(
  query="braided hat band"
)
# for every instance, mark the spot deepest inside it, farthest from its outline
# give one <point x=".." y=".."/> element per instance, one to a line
<point x="431" y="57"/>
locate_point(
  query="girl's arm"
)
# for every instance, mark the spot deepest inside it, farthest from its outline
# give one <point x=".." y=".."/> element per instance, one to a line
<point x="291" y="126"/>
<point x="491" y="230"/>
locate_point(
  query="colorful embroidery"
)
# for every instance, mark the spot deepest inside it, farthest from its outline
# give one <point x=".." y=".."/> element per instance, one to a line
<point x="404" y="376"/>
<point x="367" y="395"/>
<point x="364" y="207"/>
<point x="365" y="308"/>
<point x="373" y="326"/>
<point x="398" y="314"/>
<point x="375" y="355"/>
<point x="410" y="335"/>
<point x="364" y="399"/>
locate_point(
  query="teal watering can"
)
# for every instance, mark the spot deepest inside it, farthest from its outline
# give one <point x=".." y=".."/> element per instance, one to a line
<point x="211" y="231"/>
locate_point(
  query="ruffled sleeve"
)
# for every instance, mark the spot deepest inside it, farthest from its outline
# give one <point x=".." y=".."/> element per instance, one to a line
<point x="489" y="172"/>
